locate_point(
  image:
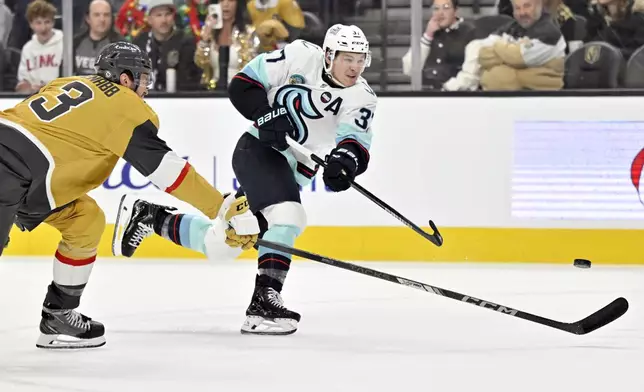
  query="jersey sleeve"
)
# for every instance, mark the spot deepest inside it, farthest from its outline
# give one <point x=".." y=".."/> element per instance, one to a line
<point x="137" y="142"/>
<point x="354" y="125"/>
<point x="273" y="69"/>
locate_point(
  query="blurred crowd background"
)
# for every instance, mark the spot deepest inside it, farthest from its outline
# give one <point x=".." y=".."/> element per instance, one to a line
<point x="461" y="45"/>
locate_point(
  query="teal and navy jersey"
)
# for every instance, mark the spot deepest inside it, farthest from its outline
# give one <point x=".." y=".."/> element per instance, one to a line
<point x="323" y="115"/>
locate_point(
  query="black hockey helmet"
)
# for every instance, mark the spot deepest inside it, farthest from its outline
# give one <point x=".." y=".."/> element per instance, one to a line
<point x="119" y="57"/>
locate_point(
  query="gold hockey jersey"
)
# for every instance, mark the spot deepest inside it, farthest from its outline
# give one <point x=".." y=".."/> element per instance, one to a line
<point x="83" y="124"/>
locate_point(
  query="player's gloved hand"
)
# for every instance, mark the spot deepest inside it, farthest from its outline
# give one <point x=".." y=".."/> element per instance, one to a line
<point x="341" y="168"/>
<point x="273" y="126"/>
<point x="243" y="229"/>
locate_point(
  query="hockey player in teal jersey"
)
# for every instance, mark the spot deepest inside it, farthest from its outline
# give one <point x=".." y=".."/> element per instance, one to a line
<point x="317" y="97"/>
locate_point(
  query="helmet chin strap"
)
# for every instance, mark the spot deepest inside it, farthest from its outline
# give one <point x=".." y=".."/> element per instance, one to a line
<point x="329" y="72"/>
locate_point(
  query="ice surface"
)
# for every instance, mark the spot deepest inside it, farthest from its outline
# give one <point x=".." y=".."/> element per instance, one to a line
<point x="174" y="326"/>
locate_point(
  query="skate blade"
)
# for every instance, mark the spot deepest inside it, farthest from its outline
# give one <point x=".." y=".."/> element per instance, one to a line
<point x="256" y="325"/>
<point x="122" y="220"/>
<point x="57" y="342"/>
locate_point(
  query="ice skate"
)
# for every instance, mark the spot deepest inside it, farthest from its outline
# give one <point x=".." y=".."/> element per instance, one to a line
<point x="68" y="329"/>
<point x="267" y="315"/>
<point x="134" y="223"/>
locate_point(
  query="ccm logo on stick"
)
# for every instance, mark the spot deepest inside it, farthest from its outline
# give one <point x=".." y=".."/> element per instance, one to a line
<point x="490" y="305"/>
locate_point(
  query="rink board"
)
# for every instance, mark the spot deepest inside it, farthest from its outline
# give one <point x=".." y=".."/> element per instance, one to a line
<point x="400" y="244"/>
<point x="534" y="179"/>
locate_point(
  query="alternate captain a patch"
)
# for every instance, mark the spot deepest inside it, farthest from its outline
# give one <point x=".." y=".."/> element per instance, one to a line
<point x="296" y="79"/>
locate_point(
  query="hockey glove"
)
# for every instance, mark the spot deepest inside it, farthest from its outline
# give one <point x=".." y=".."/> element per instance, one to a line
<point x="243" y="228"/>
<point x="341" y="168"/>
<point x="273" y="126"/>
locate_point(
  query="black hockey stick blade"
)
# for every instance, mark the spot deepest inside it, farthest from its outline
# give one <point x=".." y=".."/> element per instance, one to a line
<point x="602" y="317"/>
<point x="435" y="237"/>
<point x="606" y="315"/>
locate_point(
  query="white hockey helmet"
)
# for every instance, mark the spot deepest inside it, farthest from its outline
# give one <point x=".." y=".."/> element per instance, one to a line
<point x="342" y="38"/>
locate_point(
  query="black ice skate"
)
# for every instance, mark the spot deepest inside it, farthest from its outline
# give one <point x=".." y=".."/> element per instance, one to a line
<point x="134" y="223"/>
<point x="69" y="329"/>
<point x="266" y="314"/>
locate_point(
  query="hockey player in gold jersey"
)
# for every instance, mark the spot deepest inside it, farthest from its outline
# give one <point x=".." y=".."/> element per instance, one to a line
<point x="64" y="141"/>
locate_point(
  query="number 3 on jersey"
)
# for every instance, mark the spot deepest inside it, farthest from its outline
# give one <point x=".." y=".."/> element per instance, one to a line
<point x="66" y="101"/>
<point x="363" y="121"/>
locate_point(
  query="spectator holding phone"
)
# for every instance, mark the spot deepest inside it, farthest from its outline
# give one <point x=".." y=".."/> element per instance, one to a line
<point x="227" y="44"/>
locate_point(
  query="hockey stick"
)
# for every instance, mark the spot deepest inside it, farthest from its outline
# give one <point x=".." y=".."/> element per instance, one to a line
<point x="435" y="238"/>
<point x="600" y="318"/>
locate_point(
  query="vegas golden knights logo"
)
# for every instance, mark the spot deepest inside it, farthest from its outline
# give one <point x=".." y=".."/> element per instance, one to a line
<point x="591" y="56"/>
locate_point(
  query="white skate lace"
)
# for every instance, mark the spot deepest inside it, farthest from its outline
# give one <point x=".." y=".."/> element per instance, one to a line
<point x="75" y="319"/>
<point x="275" y="298"/>
<point x="142" y="232"/>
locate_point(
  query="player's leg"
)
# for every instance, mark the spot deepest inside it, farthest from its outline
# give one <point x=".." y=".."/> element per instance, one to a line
<point x="14" y="183"/>
<point x="137" y="219"/>
<point x="7" y="216"/>
<point x="81" y="224"/>
<point x="273" y="195"/>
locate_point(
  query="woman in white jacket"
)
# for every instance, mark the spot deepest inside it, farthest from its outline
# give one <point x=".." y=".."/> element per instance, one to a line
<point x="42" y="55"/>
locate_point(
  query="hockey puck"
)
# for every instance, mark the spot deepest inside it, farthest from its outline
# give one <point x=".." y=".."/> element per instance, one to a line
<point x="582" y="263"/>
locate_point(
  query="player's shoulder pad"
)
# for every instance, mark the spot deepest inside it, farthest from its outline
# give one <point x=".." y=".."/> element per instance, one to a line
<point x="363" y="94"/>
<point x="137" y="108"/>
<point x="303" y="48"/>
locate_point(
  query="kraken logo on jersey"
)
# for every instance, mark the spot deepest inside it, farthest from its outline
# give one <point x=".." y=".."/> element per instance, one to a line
<point x="298" y="101"/>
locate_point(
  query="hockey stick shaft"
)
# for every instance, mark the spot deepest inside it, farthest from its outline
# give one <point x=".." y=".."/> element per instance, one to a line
<point x="596" y="320"/>
<point x="435" y="238"/>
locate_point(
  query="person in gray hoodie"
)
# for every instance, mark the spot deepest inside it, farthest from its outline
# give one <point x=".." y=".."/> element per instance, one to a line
<point x="41" y="57"/>
<point x="6" y="19"/>
<point x="98" y="34"/>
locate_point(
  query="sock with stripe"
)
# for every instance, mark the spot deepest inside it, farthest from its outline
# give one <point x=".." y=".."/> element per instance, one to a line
<point x="183" y="229"/>
<point x="273" y="266"/>
<point x="71" y="274"/>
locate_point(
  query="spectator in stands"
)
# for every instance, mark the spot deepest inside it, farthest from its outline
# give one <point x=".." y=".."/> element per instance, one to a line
<point x="99" y="33"/>
<point x="6" y="18"/>
<point x="225" y="47"/>
<point x="579" y="7"/>
<point x="3" y="66"/>
<point x="560" y="11"/>
<point x="276" y="21"/>
<point x="170" y="50"/>
<point x="566" y="20"/>
<point x="442" y="48"/>
<point x="9" y="62"/>
<point x="527" y="54"/>
<point x="20" y="32"/>
<point x="618" y="22"/>
<point x="41" y="57"/>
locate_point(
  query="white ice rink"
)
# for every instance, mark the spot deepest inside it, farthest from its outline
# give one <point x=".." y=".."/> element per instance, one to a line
<point x="174" y="326"/>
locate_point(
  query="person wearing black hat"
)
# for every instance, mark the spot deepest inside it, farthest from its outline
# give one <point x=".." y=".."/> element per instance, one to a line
<point x="170" y="50"/>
